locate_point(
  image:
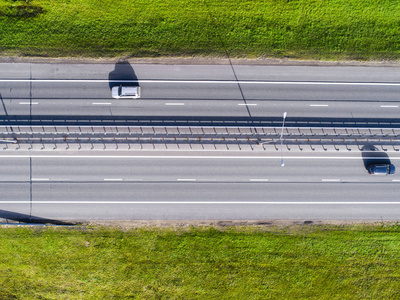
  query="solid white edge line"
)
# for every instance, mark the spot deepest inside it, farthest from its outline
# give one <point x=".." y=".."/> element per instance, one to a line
<point x="202" y="202"/>
<point x="207" y="81"/>
<point x="188" y="157"/>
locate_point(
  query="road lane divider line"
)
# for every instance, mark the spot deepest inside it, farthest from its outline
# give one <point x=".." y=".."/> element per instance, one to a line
<point x="29" y="103"/>
<point x="170" y="103"/>
<point x="389" y="106"/>
<point x="259" y="179"/>
<point x="100" y="103"/>
<point x="330" y="180"/>
<point x="40" y="179"/>
<point x="186" y="179"/>
<point x="248" y="104"/>
<point x="269" y="82"/>
<point x="113" y="179"/>
<point x="396" y="180"/>
<point x="318" y="105"/>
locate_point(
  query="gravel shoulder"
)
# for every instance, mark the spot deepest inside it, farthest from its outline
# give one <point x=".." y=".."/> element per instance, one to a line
<point x="196" y="61"/>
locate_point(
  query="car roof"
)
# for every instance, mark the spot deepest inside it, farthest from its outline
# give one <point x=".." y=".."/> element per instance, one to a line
<point x="129" y="90"/>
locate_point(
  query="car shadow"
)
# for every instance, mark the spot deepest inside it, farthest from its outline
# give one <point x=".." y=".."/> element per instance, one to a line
<point x="123" y="74"/>
<point x="371" y="155"/>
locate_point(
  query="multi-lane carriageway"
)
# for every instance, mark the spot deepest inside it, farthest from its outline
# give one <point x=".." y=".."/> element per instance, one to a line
<point x="204" y="142"/>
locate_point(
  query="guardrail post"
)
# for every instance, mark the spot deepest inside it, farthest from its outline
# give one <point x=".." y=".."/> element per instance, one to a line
<point x="301" y="149"/>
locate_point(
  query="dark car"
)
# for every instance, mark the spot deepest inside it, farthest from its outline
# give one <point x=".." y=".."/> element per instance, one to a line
<point x="381" y="169"/>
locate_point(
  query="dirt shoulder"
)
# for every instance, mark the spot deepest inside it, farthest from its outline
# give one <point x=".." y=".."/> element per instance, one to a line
<point x="130" y="224"/>
<point x="196" y="61"/>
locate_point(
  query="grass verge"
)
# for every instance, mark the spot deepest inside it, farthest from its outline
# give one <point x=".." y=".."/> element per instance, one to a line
<point x="305" y="29"/>
<point x="308" y="262"/>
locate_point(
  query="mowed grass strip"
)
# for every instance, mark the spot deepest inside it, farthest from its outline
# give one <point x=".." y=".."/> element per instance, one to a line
<point x="317" y="29"/>
<point x="309" y="262"/>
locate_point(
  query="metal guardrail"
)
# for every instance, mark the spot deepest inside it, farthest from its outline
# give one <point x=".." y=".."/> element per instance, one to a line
<point x="197" y="135"/>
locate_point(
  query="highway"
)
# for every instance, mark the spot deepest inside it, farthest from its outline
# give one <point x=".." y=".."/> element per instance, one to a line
<point x="201" y="91"/>
<point x="65" y="183"/>
<point x="249" y="187"/>
<point x="200" y="99"/>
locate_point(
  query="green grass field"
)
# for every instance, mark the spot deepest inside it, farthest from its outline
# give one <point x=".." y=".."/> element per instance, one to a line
<point x="298" y="262"/>
<point x="305" y="29"/>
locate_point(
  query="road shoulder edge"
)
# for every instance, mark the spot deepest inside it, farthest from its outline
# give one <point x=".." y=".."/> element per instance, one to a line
<point x="196" y="61"/>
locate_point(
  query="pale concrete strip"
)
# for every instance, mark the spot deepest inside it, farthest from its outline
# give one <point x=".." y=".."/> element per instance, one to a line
<point x="205" y="202"/>
<point x="93" y="156"/>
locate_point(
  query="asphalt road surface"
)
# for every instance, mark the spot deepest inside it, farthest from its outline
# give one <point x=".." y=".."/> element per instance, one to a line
<point x="135" y="186"/>
<point x="313" y="186"/>
<point x="200" y="91"/>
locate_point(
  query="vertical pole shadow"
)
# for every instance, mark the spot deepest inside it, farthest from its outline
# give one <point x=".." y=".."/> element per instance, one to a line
<point x="23" y="218"/>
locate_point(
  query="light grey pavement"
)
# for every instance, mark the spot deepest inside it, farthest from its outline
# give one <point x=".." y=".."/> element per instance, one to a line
<point x="196" y="187"/>
<point x="82" y="185"/>
<point x="244" y="91"/>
